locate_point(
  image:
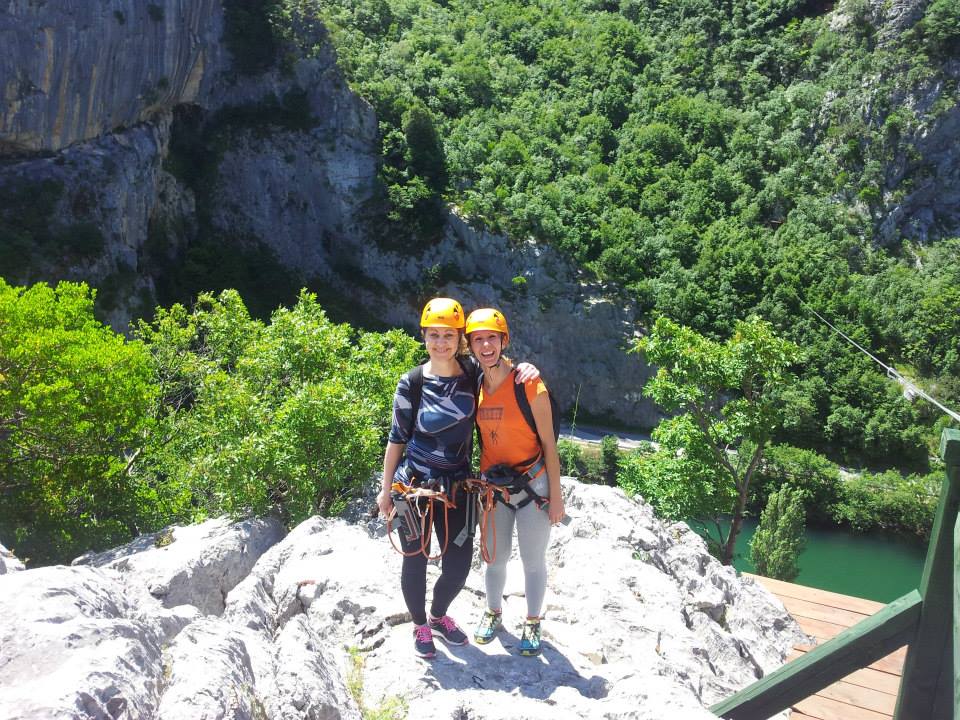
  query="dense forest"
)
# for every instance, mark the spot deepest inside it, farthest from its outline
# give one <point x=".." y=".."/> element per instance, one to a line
<point x="716" y="159"/>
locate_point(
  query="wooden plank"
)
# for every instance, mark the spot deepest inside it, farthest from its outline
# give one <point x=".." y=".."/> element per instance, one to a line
<point x="860" y="696"/>
<point x="820" y="629"/>
<point x="794" y="715"/>
<point x="827" y="709"/>
<point x="853" y="648"/>
<point x="868" y="677"/>
<point x="824" y="597"/>
<point x="816" y="611"/>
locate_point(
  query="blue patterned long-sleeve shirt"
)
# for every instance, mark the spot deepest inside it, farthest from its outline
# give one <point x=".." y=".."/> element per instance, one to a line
<point x="441" y="440"/>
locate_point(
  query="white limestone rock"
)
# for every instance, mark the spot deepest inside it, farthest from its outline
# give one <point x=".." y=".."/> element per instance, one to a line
<point x="640" y="623"/>
<point x="208" y="675"/>
<point x="9" y="562"/>
<point x="70" y="648"/>
<point x="196" y="565"/>
<point x="625" y="638"/>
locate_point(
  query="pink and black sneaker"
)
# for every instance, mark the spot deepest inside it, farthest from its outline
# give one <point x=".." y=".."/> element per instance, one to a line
<point x="423" y="642"/>
<point x="448" y="629"/>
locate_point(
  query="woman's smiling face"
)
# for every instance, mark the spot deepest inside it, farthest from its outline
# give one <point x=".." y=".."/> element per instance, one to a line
<point x="486" y="346"/>
<point x="441" y="342"/>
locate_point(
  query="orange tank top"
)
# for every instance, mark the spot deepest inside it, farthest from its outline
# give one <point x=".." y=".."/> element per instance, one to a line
<point x="506" y="436"/>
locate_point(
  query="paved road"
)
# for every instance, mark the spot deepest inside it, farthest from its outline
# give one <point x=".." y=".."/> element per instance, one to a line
<point x="593" y="434"/>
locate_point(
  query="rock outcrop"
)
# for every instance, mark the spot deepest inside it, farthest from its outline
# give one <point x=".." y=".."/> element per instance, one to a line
<point x="73" y="70"/>
<point x="9" y="562"/>
<point x="206" y="622"/>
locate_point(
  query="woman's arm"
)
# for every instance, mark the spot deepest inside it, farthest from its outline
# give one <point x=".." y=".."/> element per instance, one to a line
<point x="391" y="458"/>
<point x="543" y="417"/>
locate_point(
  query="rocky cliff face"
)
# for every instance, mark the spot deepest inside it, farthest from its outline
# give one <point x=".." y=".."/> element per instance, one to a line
<point x="111" y="116"/>
<point x="921" y="181"/>
<point x="221" y="620"/>
<point x="74" y="70"/>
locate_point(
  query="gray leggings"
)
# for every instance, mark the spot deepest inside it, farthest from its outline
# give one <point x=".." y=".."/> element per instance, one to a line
<point x="533" y="535"/>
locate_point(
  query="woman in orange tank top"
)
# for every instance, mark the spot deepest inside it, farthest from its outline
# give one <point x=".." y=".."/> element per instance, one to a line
<point x="508" y="439"/>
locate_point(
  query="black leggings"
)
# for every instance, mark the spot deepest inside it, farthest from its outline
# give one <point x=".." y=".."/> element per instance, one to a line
<point x="454" y="566"/>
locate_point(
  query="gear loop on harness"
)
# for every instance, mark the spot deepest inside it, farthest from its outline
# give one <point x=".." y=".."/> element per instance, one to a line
<point x="415" y="505"/>
<point x="487" y="495"/>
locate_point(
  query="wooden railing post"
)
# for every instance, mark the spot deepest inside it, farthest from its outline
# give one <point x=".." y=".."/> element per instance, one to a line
<point x="927" y="686"/>
<point x="956" y="616"/>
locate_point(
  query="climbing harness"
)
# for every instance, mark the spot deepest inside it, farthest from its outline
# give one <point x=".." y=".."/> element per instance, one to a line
<point x="485" y="501"/>
<point x="415" y="506"/>
<point x="502" y="483"/>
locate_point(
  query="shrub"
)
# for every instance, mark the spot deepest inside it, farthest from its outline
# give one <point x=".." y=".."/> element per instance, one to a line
<point x="889" y="501"/>
<point x="609" y="459"/>
<point x="284" y="417"/>
<point x="571" y="457"/>
<point x="817" y="478"/>
<point x="779" y="538"/>
<point x="74" y="397"/>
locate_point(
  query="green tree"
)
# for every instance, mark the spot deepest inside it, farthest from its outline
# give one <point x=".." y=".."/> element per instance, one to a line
<point x="726" y="396"/>
<point x="284" y="417"/>
<point x="75" y="398"/>
<point x="778" y="542"/>
<point x="610" y="458"/>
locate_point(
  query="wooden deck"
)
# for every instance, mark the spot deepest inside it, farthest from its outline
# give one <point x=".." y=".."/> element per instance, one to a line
<point x="868" y="694"/>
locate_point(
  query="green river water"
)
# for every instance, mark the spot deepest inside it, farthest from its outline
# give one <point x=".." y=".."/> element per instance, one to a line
<point x="876" y="566"/>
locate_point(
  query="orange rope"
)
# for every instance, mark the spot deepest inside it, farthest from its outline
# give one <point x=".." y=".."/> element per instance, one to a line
<point x="487" y="497"/>
<point x="414" y="495"/>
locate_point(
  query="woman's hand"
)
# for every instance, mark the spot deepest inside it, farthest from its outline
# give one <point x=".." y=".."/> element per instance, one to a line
<point x="385" y="503"/>
<point x="555" y="509"/>
<point x="527" y="372"/>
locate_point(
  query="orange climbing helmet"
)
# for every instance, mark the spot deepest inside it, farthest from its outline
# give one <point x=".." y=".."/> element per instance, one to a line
<point x="442" y="312"/>
<point x="488" y="319"/>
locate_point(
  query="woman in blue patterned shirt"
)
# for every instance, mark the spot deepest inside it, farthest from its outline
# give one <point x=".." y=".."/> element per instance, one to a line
<point x="435" y="447"/>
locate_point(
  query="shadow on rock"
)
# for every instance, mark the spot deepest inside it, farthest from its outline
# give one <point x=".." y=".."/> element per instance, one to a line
<point x="498" y="667"/>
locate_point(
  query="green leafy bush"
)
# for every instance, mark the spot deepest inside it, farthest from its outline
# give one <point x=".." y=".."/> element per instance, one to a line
<point x="890" y="501"/>
<point x="284" y="417"/>
<point x="813" y="475"/>
<point x="778" y="541"/>
<point x="75" y="400"/>
<point x="610" y="459"/>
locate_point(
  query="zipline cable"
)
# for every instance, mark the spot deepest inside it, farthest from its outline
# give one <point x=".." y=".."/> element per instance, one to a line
<point x="910" y="390"/>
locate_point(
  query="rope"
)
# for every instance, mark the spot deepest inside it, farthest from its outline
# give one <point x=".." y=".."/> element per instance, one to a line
<point x="487" y="498"/>
<point x="910" y="390"/>
<point x="413" y="495"/>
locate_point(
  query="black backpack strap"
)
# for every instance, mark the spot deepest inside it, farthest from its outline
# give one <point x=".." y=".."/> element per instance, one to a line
<point x="471" y="368"/>
<point x="520" y="392"/>
<point x="415" y="382"/>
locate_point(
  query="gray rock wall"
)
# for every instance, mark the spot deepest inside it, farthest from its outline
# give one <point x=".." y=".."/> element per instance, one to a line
<point x="73" y="70"/>
<point x="577" y="333"/>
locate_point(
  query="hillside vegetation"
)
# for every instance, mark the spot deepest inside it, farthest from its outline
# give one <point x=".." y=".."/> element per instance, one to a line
<point x="718" y="159"/>
<point x="206" y="412"/>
